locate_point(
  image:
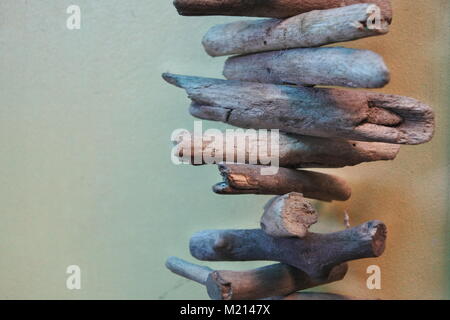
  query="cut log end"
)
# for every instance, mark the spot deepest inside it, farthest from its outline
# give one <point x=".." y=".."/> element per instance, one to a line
<point x="289" y="215"/>
<point x="218" y="288"/>
<point x="379" y="232"/>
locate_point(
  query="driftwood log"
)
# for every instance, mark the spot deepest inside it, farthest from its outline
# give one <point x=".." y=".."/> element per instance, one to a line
<point x="316" y="254"/>
<point x="336" y="66"/>
<point x="289" y="215"/>
<point x="273" y="280"/>
<point x="294" y="151"/>
<point x="268" y="8"/>
<point x="311" y="29"/>
<point x="322" y="112"/>
<point x="247" y="179"/>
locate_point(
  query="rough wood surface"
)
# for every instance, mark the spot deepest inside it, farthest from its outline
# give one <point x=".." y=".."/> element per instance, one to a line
<point x="316" y="254"/>
<point x="247" y="179"/>
<point x="312" y="29"/>
<point x="322" y="112"/>
<point x="267" y="8"/>
<point x="273" y="280"/>
<point x="334" y="66"/>
<point x="294" y="151"/>
<point x="289" y="215"/>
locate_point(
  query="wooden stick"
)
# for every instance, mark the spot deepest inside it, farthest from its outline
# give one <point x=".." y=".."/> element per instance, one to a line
<point x="294" y="151"/>
<point x="315" y="254"/>
<point x="247" y="179"/>
<point x="335" y="66"/>
<point x="267" y="8"/>
<point x="188" y="270"/>
<point x="289" y="215"/>
<point x="323" y="112"/>
<point x="273" y="280"/>
<point x="311" y="29"/>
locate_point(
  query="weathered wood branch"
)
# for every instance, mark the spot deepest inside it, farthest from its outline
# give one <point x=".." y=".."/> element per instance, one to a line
<point x="316" y="254"/>
<point x="293" y="151"/>
<point x="289" y="215"/>
<point x="311" y="29"/>
<point x="247" y="179"/>
<point x="273" y="280"/>
<point x="334" y="66"/>
<point x="188" y="270"/>
<point x="322" y="112"/>
<point x="268" y="8"/>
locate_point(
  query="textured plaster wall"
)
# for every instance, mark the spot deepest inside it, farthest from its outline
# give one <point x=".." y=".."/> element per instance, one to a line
<point x="85" y="170"/>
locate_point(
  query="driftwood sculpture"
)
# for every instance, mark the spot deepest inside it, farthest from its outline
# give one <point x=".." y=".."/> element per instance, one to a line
<point x="271" y="84"/>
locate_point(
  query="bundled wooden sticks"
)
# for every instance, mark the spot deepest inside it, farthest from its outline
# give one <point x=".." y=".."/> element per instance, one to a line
<point x="273" y="84"/>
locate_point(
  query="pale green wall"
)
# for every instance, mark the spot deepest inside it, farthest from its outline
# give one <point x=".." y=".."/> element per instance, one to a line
<point x="85" y="169"/>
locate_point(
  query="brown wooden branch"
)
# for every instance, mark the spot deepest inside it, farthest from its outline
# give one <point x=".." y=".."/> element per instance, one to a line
<point x="273" y="280"/>
<point x="315" y="254"/>
<point x="334" y="66"/>
<point x="322" y="112"/>
<point x="289" y="215"/>
<point x="247" y="179"/>
<point x="268" y="8"/>
<point x="294" y="151"/>
<point x="311" y="29"/>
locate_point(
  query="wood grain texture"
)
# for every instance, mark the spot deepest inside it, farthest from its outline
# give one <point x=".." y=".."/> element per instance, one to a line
<point x="268" y="8"/>
<point x="294" y="151"/>
<point x="287" y="216"/>
<point x="312" y="29"/>
<point x="336" y="66"/>
<point x="273" y="280"/>
<point x="322" y="112"/>
<point x="315" y="254"/>
<point x="247" y="179"/>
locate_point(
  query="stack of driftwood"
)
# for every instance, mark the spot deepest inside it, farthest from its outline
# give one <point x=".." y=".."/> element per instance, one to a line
<point x="272" y="83"/>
